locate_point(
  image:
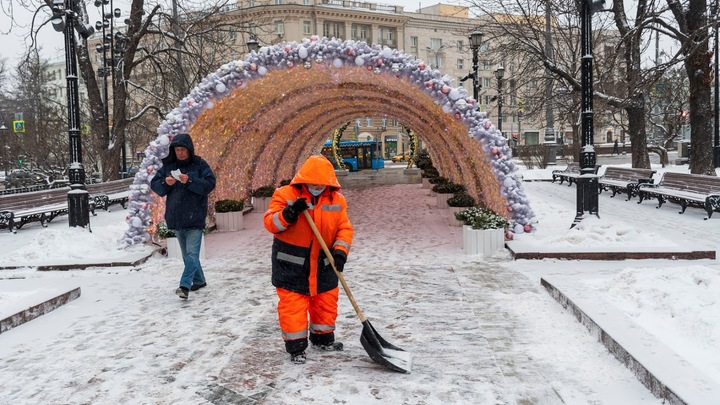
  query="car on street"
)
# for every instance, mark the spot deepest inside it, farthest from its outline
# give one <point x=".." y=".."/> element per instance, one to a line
<point x="400" y="158"/>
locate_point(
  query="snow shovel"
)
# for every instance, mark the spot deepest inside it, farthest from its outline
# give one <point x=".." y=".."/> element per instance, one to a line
<point x="379" y="349"/>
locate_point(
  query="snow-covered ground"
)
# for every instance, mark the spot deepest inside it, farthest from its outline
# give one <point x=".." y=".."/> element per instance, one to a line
<point x="481" y="330"/>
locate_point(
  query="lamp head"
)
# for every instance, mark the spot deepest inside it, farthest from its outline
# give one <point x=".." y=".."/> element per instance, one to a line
<point x="253" y="44"/>
<point x="475" y="38"/>
<point x="58" y="22"/>
<point x="500" y="72"/>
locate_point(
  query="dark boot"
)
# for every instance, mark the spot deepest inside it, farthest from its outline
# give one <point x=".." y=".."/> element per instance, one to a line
<point x="326" y="342"/>
<point x="298" y="358"/>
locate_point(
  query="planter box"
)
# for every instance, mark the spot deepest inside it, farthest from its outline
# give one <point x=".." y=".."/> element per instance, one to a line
<point x="441" y="200"/>
<point x="485" y="242"/>
<point x="174" y="252"/>
<point x="260" y="204"/>
<point x="229" y="221"/>
<point x="451" y="216"/>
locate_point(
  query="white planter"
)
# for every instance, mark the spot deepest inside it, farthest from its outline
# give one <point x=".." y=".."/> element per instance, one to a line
<point x="485" y="242"/>
<point x="229" y="221"/>
<point x="441" y="199"/>
<point x="260" y="204"/>
<point x="174" y="252"/>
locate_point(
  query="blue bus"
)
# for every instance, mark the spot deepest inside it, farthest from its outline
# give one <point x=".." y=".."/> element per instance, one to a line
<point x="356" y="155"/>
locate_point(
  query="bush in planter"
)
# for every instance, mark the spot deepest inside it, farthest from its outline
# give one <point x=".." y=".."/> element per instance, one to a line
<point x="263" y="192"/>
<point x="481" y="218"/>
<point x="229" y="205"/>
<point x="448" y="188"/>
<point x="461" y="199"/>
<point x="438" y="180"/>
<point x="430" y="172"/>
<point x="162" y="231"/>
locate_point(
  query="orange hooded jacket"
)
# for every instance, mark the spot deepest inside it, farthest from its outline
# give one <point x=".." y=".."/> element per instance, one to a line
<point x="298" y="262"/>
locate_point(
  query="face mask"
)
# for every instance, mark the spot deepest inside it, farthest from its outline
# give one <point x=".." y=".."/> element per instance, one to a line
<point x="316" y="191"/>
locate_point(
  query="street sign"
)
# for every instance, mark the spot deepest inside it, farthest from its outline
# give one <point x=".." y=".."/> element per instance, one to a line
<point x="18" y="126"/>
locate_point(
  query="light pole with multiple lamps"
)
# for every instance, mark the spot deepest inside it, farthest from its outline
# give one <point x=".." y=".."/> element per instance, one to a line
<point x="587" y="184"/>
<point x="112" y="49"/>
<point x="66" y="19"/>
<point x="499" y="74"/>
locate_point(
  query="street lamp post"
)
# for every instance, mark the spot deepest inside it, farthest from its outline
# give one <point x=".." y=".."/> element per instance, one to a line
<point x="66" y="19"/>
<point x="499" y="74"/>
<point x="6" y="147"/>
<point x="476" y="38"/>
<point x="587" y="184"/>
<point x="716" y="147"/>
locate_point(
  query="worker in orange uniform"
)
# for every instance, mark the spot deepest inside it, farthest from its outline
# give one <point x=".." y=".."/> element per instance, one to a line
<point x="303" y="277"/>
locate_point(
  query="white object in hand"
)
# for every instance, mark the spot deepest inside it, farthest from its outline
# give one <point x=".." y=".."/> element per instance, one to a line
<point x="176" y="174"/>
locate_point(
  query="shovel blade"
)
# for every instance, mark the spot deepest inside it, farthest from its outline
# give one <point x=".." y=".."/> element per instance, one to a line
<point x="384" y="353"/>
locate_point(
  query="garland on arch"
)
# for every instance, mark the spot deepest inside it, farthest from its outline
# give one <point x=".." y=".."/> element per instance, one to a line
<point x="337" y="135"/>
<point x="414" y="144"/>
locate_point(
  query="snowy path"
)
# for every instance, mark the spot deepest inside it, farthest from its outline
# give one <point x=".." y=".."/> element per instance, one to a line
<point x="480" y="332"/>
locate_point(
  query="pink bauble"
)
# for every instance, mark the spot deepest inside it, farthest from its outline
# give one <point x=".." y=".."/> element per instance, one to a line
<point x="291" y="65"/>
<point x="350" y="52"/>
<point x="527" y="228"/>
<point x="421" y="66"/>
<point x="149" y="170"/>
<point x="445" y="89"/>
<point x="487" y="125"/>
<point x="288" y="49"/>
<point x="379" y="62"/>
<point x="509" y="236"/>
<point x="369" y="67"/>
<point x="253" y="67"/>
<point x="457" y="116"/>
<point x="494" y="150"/>
<point x="429" y="84"/>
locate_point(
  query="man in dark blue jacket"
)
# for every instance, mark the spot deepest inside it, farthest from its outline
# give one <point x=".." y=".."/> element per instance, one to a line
<point x="186" y="180"/>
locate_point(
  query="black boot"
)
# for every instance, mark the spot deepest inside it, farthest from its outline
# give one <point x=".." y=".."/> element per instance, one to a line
<point x="298" y="358"/>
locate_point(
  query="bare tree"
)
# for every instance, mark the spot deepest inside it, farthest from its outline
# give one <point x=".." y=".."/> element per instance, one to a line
<point x="161" y="55"/>
<point x="620" y="81"/>
<point x="692" y="29"/>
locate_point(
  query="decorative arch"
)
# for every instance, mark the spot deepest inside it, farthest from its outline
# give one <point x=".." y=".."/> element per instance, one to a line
<point x="256" y="121"/>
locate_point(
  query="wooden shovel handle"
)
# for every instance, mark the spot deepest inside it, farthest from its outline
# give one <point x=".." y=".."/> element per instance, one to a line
<point x="331" y="259"/>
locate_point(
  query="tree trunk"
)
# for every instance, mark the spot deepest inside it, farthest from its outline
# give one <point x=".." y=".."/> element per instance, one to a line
<point x="638" y="137"/>
<point x="701" y="114"/>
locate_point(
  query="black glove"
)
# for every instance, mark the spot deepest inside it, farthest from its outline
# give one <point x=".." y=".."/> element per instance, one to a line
<point x="292" y="212"/>
<point x="340" y="258"/>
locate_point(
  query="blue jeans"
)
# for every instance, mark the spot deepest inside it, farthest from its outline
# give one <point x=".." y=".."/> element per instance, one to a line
<point x="190" y="241"/>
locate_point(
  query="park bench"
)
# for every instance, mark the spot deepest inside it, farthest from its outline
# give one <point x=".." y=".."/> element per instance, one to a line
<point x="16" y="210"/>
<point x="570" y="173"/>
<point x="110" y="192"/>
<point x="624" y="179"/>
<point x="686" y="190"/>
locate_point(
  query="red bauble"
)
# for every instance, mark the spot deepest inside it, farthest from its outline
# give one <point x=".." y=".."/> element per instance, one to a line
<point x="421" y="66"/>
<point x="457" y="116"/>
<point x="527" y="228"/>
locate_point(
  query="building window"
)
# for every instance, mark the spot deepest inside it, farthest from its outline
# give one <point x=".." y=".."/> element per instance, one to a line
<point x="251" y="3"/>
<point x="460" y="64"/>
<point x="306" y="2"/>
<point x="331" y="29"/>
<point x="460" y="46"/>
<point x="360" y="32"/>
<point x="278" y="2"/>
<point x="387" y="36"/>
<point x="486" y="65"/>
<point x="435" y="44"/>
<point x="306" y="28"/>
<point x="279" y="28"/>
<point x="368" y="122"/>
<point x="486" y="83"/>
<point x="413" y="42"/>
